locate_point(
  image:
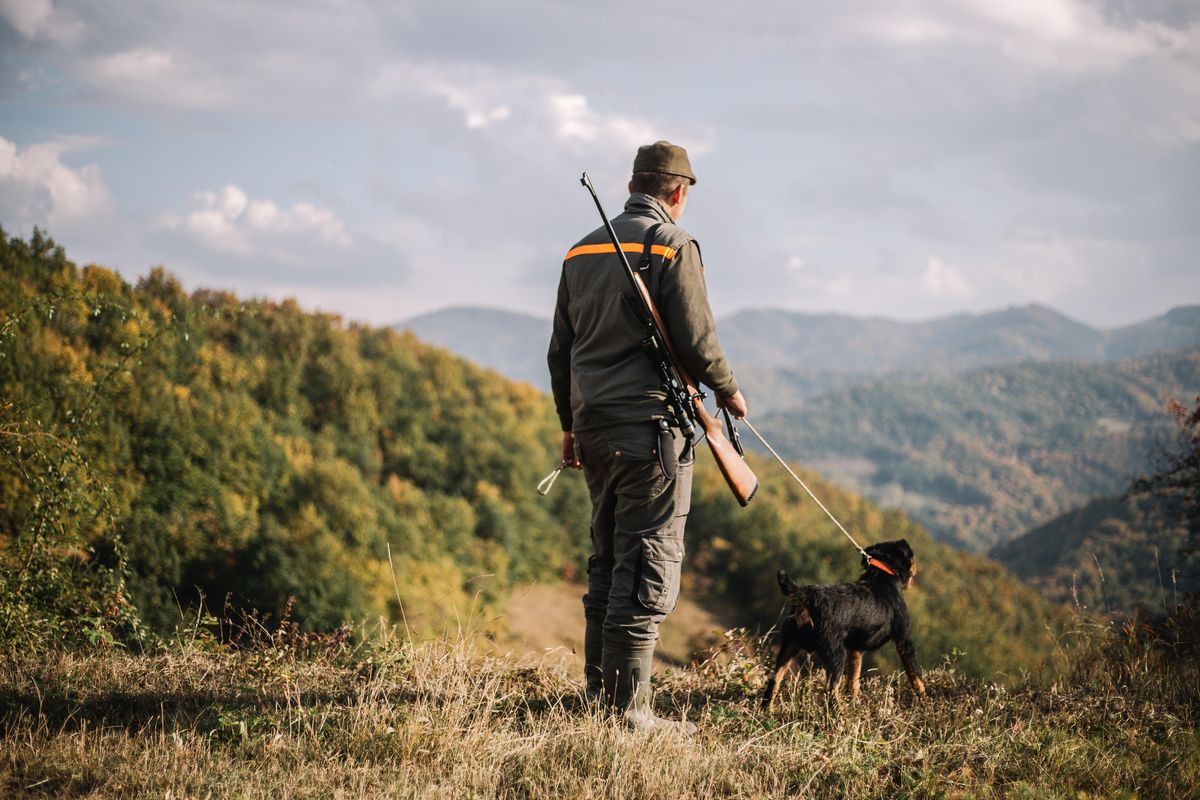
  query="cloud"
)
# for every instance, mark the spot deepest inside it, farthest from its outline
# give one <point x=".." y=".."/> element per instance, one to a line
<point x="37" y="188"/>
<point x="229" y="222"/>
<point x="516" y="106"/>
<point x="1070" y="36"/>
<point x="578" y="124"/>
<point x="157" y="78"/>
<point x="37" y="20"/>
<point x="943" y="280"/>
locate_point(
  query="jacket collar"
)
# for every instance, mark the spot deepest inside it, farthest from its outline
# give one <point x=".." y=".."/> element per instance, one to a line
<point x="647" y="206"/>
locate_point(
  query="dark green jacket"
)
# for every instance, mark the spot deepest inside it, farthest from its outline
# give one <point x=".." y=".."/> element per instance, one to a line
<point x="599" y="372"/>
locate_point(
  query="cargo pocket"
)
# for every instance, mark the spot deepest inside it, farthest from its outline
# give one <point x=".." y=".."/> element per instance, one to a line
<point x="633" y="452"/>
<point x="661" y="561"/>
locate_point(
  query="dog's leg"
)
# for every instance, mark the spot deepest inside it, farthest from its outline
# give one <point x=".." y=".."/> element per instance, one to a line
<point x="854" y="659"/>
<point x="833" y="658"/>
<point x="789" y="648"/>
<point x="908" y="657"/>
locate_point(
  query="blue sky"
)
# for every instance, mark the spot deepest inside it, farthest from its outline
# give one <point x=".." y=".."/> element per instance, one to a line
<point x="899" y="159"/>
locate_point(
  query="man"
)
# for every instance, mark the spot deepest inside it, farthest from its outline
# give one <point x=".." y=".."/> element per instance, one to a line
<point x="618" y="428"/>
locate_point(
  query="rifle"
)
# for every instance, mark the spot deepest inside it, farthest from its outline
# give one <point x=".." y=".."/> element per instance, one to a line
<point x="684" y="397"/>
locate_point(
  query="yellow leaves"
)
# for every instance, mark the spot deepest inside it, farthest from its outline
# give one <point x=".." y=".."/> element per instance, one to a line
<point x="102" y="281"/>
<point x="72" y="360"/>
<point x="224" y="368"/>
<point x="398" y="489"/>
<point x="298" y="451"/>
<point x="487" y="491"/>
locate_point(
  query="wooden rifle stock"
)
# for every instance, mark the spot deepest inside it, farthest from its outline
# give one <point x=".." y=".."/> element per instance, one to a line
<point x="741" y="479"/>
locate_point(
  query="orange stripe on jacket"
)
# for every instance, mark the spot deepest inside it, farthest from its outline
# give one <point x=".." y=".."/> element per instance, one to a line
<point x="628" y="247"/>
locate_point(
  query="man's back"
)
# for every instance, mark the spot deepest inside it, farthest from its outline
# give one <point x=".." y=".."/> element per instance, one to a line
<point x="599" y="372"/>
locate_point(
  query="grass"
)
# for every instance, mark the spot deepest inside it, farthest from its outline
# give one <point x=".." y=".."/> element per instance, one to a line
<point x="289" y="715"/>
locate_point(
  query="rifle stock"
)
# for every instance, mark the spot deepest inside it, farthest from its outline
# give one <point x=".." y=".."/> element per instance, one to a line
<point x="741" y="479"/>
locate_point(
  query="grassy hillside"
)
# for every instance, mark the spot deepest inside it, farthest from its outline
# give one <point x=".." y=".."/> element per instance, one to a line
<point x="292" y="716"/>
<point x="1112" y="554"/>
<point x="156" y="445"/>
<point x="982" y="457"/>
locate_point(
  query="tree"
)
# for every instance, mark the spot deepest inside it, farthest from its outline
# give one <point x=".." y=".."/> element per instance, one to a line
<point x="1177" y="475"/>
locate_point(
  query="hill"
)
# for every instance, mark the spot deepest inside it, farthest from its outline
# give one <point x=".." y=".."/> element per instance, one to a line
<point x="982" y="457"/>
<point x="513" y="344"/>
<point x="156" y="445"/>
<point x="1111" y="555"/>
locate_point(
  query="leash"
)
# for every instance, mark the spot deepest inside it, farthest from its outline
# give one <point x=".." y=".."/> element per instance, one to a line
<point x="804" y="486"/>
<point x="547" y="483"/>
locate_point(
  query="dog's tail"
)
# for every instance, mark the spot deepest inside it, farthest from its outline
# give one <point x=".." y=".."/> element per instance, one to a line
<point x="786" y="585"/>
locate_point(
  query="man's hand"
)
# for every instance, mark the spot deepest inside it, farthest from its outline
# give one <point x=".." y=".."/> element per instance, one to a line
<point x="568" y="451"/>
<point x="735" y="403"/>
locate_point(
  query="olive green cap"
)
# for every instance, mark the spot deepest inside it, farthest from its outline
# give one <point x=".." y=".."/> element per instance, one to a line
<point x="664" y="157"/>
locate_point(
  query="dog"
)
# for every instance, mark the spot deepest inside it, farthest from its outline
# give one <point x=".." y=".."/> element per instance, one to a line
<point x="838" y="623"/>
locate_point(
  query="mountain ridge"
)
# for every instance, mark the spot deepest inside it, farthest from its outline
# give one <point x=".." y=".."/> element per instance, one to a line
<point x="514" y="343"/>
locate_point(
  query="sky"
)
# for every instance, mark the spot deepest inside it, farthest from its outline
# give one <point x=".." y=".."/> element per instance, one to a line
<point x="908" y="160"/>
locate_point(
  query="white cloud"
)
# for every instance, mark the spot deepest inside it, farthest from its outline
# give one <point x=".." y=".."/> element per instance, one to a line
<point x="37" y="188"/>
<point x="577" y="123"/>
<point x="944" y="280"/>
<point x="229" y="221"/>
<point x="157" y="78"/>
<point x="531" y="105"/>
<point x="37" y="20"/>
<point x="1070" y="36"/>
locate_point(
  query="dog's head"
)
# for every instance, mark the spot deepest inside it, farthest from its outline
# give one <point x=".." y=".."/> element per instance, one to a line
<point x="896" y="556"/>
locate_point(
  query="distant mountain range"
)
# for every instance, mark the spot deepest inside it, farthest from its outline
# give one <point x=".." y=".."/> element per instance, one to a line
<point x="786" y="356"/>
<point x="510" y="343"/>
<point x="789" y="340"/>
<point x="982" y="456"/>
<point x="1111" y="555"/>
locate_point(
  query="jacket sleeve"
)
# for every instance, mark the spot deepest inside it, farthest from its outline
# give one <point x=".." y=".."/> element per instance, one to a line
<point x="689" y="321"/>
<point x="558" y="358"/>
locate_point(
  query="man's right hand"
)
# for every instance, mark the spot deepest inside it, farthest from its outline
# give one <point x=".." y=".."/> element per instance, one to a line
<point x="568" y="451"/>
<point x="735" y="403"/>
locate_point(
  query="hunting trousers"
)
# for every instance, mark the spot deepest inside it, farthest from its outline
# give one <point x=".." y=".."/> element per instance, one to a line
<point x="640" y="480"/>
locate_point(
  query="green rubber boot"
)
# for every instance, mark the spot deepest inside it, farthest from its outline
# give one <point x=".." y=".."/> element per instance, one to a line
<point x="627" y="689"/>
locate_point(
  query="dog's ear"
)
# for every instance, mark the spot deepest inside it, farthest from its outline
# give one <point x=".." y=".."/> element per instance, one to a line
<point x="786" y="585"/>
<point x="903" y="560"/>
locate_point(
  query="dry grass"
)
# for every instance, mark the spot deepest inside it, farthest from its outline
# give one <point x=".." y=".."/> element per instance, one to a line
<point x="276" y="720"/>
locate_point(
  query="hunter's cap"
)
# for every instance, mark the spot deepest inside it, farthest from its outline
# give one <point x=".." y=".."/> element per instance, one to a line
<point x="664" y="157"/>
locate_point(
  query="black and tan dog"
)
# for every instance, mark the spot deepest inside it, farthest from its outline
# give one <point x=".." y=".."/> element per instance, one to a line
<point x="837" y="624"/>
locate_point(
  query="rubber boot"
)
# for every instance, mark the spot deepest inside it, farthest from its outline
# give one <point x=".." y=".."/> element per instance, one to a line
<point x="627" y="689"/>
<point x="593" y="655"/>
